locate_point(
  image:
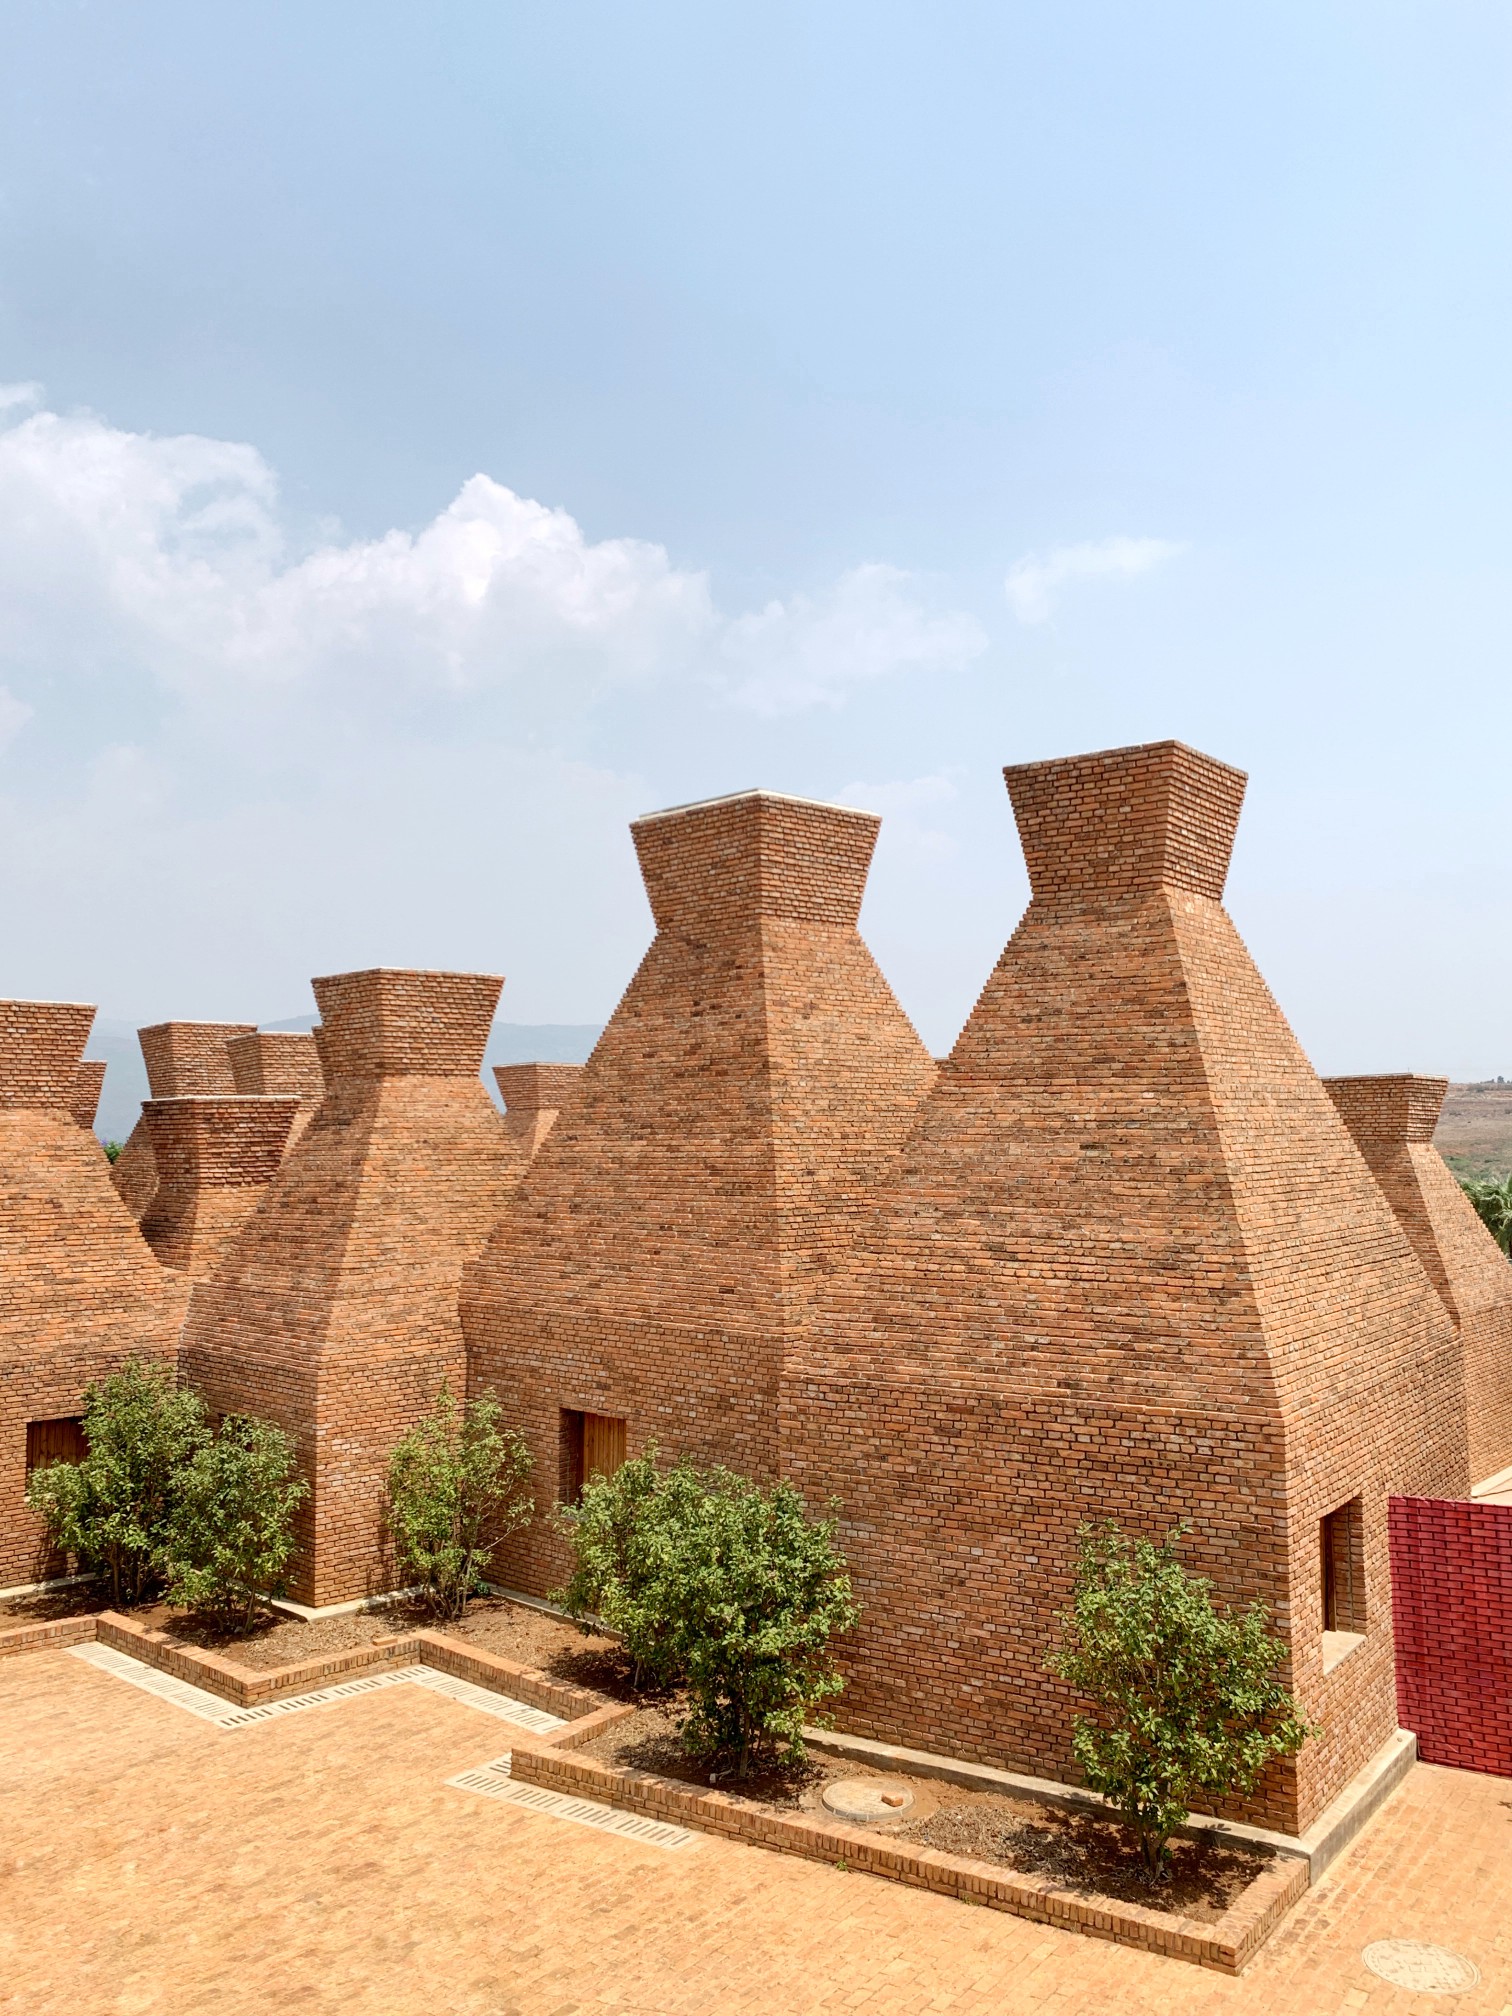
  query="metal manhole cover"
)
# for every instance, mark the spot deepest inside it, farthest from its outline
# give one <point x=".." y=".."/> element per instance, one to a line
<point x="1426" y="1970"/>
<point x="865" y="1799"/>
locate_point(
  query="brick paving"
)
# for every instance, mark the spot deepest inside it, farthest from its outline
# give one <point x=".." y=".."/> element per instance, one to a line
<point x="151" y="1866"/>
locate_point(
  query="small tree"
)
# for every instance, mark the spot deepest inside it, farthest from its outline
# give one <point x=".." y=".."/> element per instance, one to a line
<point x="111" y="1510"/>
<point x="113" y="1150"/>
<point x="1492" y="1198"/>
<point x="756" y="1590"/>
<point x="624" y="1532"/>
<point x="458" y="1485"/>
<point x="231" y="1531"/>
<point x="1185" y="1698"/>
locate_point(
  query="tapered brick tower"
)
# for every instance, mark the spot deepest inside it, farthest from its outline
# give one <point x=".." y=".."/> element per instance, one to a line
<point x="735" y="1114"/>
<point x="214" y="1159"/>
<point x="279" y="1063"/>
<point x="334" y="1309"/>
<point x="79" y="1289"/>
<point x="1392" y="1122"/>
<point x="89" y="1083"/>
<point x="1129" y="1264"/>
<point x="533" y="1095"/>
<point x="185" y="1060"/>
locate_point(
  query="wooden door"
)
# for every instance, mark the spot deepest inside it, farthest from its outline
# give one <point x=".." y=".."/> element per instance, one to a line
<point x="53" y="1442"/>
<point x="603" y="1445"/>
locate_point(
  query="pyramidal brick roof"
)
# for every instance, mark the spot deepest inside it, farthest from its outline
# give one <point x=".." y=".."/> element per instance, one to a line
<point x="1128" y="1264"/>
<point x="276" y="1063"/>
<point x="1392" y="1120"/>
<point x="79" y="1289"/>
<point x="214" y="1157"/>
<point x="334" y="1308"/>
<point x="733" y="1119"/>
<point x="184" y="1060"/>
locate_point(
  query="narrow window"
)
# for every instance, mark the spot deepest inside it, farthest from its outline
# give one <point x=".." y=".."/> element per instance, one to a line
<point x="1343" y="1545"/>
<point x="592" y="1445"/>
<point x="53" y="1442"/>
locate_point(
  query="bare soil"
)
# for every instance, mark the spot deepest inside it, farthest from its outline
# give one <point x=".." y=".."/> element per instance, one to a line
<point x="48" y="1605"/>
<point x="1084" y="1852"/>
<point x="1474" y="1133"/>
<point x="532" y="1638"/>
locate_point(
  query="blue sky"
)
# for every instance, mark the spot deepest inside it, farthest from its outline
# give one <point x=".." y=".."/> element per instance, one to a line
<point x="437" y="435"/>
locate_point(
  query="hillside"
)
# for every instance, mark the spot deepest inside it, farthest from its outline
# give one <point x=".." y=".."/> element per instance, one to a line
<point x="1475" y="1129"/>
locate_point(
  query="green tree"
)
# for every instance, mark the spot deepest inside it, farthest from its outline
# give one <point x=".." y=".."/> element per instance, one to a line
<point x="458" y="1485"/>
<point x="757" y="1589"/>
<point x="113" y="1150"/>
<point x="1492" y="1198"/>
<point x="231" y="1530"/>
<point x="624" y="1534"/>
<point x="1185" y="1698"/>
<point x="112" y="1509"/>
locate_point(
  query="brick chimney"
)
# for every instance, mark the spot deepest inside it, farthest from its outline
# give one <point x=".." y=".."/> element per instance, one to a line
<point x="89" y="1083"/>
<point x="189" y="1060"/>
<point x="533" y="1095"/>
<point x="1384" y="1114"/>
<point x="389" y="1023"/>
<point x="755" y="854"/>
<point x="215" y="1156"/>
<point x="1121" y="822"/>
<point x="280" y="1063"/>
<point x="41" y="1046"/>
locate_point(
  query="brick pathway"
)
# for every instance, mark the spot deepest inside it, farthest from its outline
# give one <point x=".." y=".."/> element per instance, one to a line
<point x="149" y="1863"/>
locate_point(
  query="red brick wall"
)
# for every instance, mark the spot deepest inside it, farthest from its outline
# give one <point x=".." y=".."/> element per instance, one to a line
<point x="718" y="1147"/>
<point x="1393" y="1121"/>
<point x="1451" y="1572"/>
<point x="89" y="1082"/>
<point x="1127" y="1264"/>
<point x="184" y="1060"/>
<point x="214" y="1158"/>
<point x="533" y="1095"/>
<point x="276" y="1062"/>
<point x="334" y="1311"/>
<point x="79" y="1289"/>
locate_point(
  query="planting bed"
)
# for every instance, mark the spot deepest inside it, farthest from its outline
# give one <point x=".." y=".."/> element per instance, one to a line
<point x="1089" y="1854"/>
<point x="46" y="1606"/>
<point x="533" y="1638"/>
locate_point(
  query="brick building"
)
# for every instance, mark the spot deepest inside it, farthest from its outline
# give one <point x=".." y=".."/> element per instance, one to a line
<point x="79" y="1289"/>
<point x="534" y="1095"/>
<point x="1130" y="1264"/>
<point x="279" y="1063"/>
<point x="719" y="1145"/>
<point x="1392" y="1121"/>
<point x="89" y="1083"/>
<point x="213" y="1158"/>
<point x="184" y="1060"/>
<point x="334" y="1310"/>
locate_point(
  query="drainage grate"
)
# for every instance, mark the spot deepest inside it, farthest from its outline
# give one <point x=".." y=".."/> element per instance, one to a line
<point x="496" y="1784"/>
<point x="211" y="1708"/>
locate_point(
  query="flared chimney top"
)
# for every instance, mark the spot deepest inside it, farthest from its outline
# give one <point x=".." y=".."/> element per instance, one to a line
<point x="1390" y="1111"/>
<point x="276" y="1061"/>
<point x="535" y="1088"/>
<point x="210" y="1142"/>
<point x="756" y="854"/>
<point x="189" y="1060"/>
<point x="89" y="1083"/>
<point x="41" y="1045"/>
<point x="1120" y="822"/>
<point x="391" y="1023"/>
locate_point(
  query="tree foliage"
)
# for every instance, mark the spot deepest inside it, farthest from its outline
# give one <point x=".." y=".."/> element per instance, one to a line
<point x="623" y="1531"/>
<point x="458" y="1485"/>
<point x="1492" y="1198"/>
<point x="230" y="1533"/>
<point x="112" y="1509"/>
<point x="733" y="1591"/>
<point x="1185" y="1698"/>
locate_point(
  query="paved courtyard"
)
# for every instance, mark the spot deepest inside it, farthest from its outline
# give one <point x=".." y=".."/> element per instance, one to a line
<point x="319" y="1862"/>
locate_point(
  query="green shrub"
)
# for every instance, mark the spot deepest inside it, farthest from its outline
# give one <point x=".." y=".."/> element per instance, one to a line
<point x="231" y="1530"/>
<point x="732" y="1591"/>
<point x="113" y="1150"/>
<point x="1492" y="1198"/>
<point x="112" y="1509"/>
<point x="1185" y="1698"/>
<point x="623" y="1531"/>
<point x="759" y="1590"/>
<point x="458" y="1485"/>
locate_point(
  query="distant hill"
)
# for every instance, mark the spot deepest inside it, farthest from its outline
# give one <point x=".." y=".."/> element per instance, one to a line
<point x="1475" y="1130"/>
<point x="510" y="1043"/>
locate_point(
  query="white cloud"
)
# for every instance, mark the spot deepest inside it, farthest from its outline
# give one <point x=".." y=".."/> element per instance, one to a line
<point x="814" y="650"/>
<point x="1034" y="582"/>
<point x="906" y="805"/>
<point x="25" y="393"/>
<point x="246" y="761"/>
